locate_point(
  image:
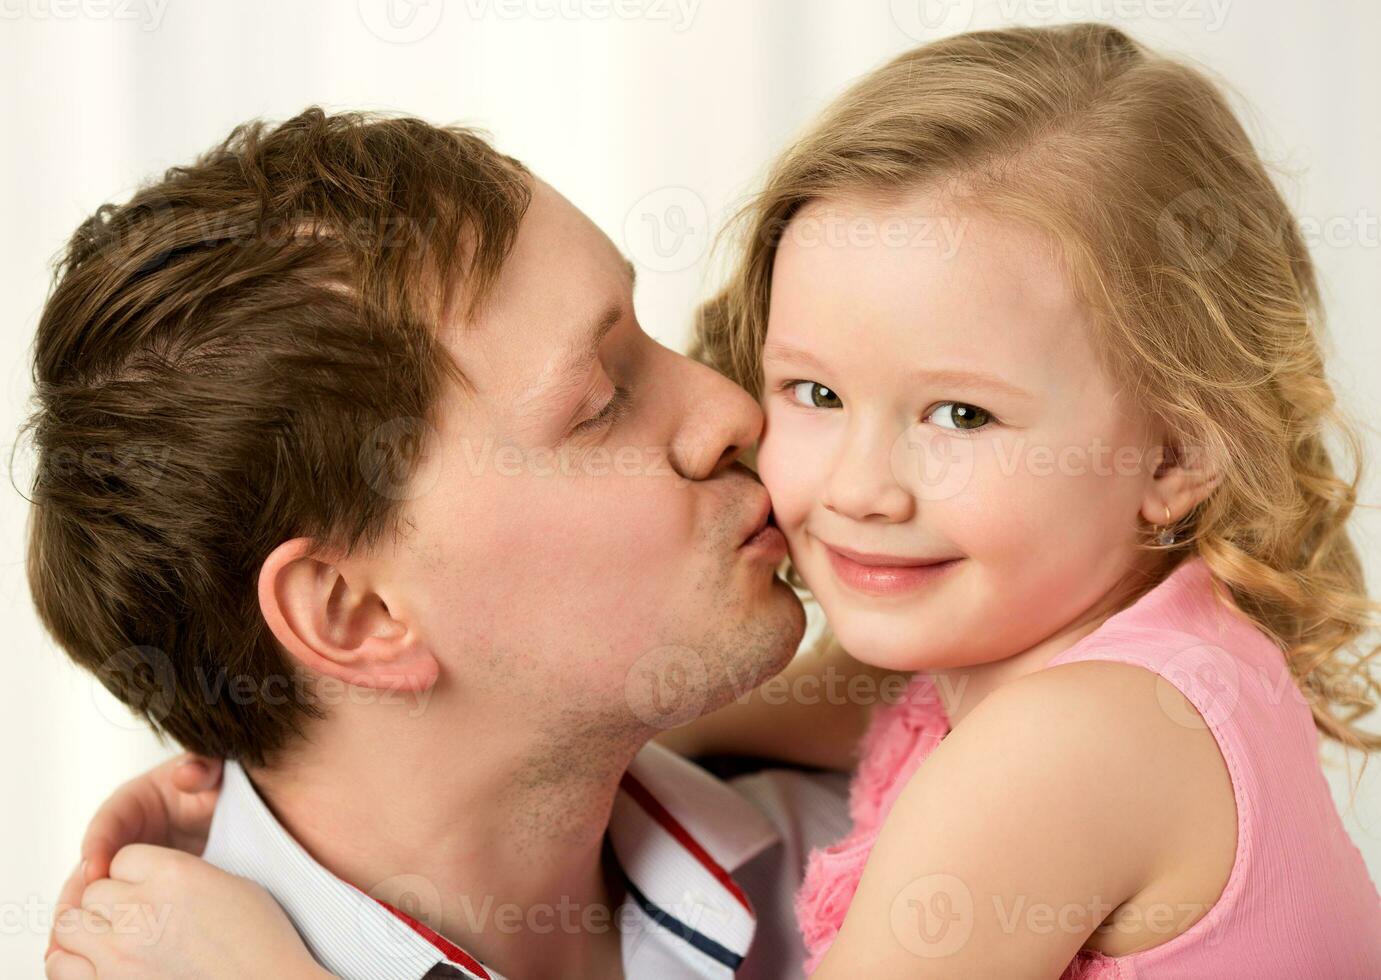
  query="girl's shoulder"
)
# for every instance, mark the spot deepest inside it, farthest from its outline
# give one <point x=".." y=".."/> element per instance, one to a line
<point x="1064" y="799"/>
<point x="1156" y="778"/>
<point x="1116" y="747"/>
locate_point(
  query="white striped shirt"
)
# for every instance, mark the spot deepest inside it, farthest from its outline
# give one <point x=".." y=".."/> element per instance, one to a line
<point x="710" y="868"/>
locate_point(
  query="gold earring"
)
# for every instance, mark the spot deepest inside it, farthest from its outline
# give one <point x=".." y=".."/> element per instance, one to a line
<point x="1167" y="533"/>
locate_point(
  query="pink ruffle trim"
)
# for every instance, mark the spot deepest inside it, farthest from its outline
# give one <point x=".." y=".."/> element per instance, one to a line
<point x="897" y="741"/>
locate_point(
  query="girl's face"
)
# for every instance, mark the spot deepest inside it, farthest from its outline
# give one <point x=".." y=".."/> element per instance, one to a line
<point x="932" y="395"/>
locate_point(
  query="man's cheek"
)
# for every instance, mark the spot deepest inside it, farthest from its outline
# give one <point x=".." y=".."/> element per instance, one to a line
<point x="635" y="527"/>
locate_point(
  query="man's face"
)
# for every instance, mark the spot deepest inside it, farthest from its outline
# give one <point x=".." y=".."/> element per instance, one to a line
<point x="573" y="546"/>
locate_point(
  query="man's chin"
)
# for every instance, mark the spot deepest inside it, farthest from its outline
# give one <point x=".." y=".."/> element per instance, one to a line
<point x="762" y="648"/>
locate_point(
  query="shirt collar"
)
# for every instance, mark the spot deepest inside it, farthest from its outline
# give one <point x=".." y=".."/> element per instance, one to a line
<point x="347" y="931"/>
<point x="677" y="831"/>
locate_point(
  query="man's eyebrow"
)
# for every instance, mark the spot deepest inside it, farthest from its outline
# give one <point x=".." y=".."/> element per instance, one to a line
<point x="585" y="350"/>
<point x="571" y="367"/>
<point x="938" y="376"/>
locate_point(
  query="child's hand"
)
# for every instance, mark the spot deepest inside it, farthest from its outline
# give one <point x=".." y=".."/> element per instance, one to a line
<point x="163" y="913"/>
<point x="170" y="805"/>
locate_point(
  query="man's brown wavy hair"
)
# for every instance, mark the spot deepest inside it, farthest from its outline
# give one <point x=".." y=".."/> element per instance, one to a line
<point x="1203" y="291"/>
<point x="245" y="352"/>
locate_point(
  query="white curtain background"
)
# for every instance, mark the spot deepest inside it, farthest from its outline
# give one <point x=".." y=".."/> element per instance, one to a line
<point x="655" y="117"/>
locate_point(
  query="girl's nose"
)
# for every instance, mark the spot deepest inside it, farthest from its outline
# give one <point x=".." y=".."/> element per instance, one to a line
<point x="862" y="485"/>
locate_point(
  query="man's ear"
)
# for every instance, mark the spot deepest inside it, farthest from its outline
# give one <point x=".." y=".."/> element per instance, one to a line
<point x="1183" y="477"/>
<point x="329" y="618"/>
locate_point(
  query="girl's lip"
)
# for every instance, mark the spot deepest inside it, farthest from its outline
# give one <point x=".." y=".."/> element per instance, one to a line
<point x="886" y="580"/>
<point x="880" y="560"/>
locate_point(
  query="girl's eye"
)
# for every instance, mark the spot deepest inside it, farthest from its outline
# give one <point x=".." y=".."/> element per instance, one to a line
<point x="614" y="409"/>
<point x="958" y="415"/>
<point x="814" y="394"/>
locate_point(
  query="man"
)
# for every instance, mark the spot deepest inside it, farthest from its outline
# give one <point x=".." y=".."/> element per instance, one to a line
<point x="385" y="494"/>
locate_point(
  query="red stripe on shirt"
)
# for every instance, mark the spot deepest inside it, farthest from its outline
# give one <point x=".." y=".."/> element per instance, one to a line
<point x="671" y="825"/>
<point x="448" y="949"/>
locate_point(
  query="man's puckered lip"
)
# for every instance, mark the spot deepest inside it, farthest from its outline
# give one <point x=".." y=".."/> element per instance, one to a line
<point x="762" y="516"/>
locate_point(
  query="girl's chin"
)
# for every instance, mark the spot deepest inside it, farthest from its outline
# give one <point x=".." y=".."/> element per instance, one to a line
<point x="879" y="645"/>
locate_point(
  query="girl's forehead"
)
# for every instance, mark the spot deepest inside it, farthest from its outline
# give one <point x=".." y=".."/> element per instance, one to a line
<point x="954" y="233"/>
<point x="995" y="289"/>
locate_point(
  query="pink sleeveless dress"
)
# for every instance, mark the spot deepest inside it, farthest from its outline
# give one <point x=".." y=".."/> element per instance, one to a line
<point x="1298" y="902"/>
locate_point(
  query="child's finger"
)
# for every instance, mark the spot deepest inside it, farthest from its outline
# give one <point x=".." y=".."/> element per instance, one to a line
<point x="69" y="896"/>
<point x="62" y="965"/>
<point x="138" y="863"/>
<point x="110" y="898"/>
<point x="119" y="821"/>
<point x="197" y="774"/>
<point x="81" y="931"/>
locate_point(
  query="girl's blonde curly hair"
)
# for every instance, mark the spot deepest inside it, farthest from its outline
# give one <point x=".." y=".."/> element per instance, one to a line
<point x="1200" y="283"/>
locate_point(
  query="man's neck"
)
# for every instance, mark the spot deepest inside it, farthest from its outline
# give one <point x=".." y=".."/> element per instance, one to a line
<point x="498" y="847"/>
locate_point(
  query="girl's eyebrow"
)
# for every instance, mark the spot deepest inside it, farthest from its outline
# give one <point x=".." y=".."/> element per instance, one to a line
<point x="973" y="379"/>
<point x="777" y="351"/>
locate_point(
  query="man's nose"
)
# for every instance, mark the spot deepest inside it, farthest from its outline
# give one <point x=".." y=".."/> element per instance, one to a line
<point x="717" y="421"/>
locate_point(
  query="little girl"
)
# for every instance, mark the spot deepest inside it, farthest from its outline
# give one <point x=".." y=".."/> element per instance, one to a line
<point x="1035" y="338"/>
<point x="1036" y="341"/>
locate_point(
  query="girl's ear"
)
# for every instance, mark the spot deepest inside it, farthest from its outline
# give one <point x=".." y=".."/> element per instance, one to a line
<point x="330" y="619"/>
<point x="1183" y="476"/>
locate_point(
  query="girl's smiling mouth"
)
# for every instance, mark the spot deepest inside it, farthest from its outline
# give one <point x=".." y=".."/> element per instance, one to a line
<point x="884" y="575"/>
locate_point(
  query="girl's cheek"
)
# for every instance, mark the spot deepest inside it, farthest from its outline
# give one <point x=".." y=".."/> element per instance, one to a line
<point x="787" y="469"/>
<point x="998" y="513"/>
<point x="1022" y="500"/>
